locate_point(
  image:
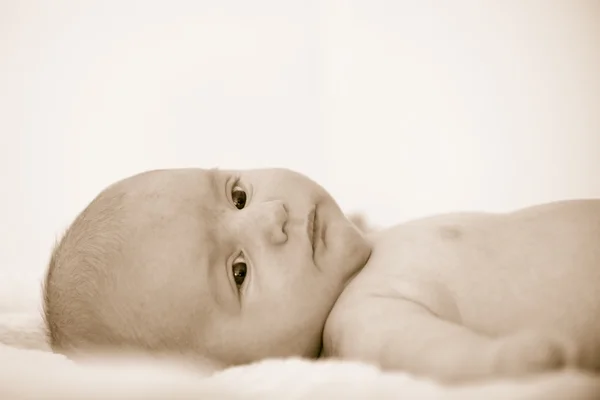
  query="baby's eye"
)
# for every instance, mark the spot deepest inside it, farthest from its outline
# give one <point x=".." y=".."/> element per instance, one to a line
<point x="239" y="270"/>
<point x="238" y="196"/>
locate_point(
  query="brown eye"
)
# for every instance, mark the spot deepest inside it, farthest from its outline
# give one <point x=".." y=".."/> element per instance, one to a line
<point x="239" y="272"/>
<point x="238" y="196"/>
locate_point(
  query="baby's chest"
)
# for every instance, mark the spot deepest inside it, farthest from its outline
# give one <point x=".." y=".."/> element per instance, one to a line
<point x="471" y="274"/>
<point x="440" y="264"/>
<point x="440" y="254"/>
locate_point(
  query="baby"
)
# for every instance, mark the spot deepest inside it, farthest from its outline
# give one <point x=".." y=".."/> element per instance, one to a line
<point x="238" y="266"/>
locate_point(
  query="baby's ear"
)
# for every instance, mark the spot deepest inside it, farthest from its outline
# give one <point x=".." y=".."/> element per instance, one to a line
<point x="360" y="220"/>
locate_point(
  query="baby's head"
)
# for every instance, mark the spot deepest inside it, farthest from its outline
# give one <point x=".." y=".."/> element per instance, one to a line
<point x="224" y="264"/>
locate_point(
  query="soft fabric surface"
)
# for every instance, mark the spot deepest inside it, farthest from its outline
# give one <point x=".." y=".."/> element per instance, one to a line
<point x="28" y="370"/>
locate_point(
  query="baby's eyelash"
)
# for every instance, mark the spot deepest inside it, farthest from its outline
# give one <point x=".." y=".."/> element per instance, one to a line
<point x="239" y="256"/>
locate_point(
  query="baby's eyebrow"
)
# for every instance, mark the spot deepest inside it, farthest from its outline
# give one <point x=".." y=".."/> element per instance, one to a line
<point x="214" y="177"/>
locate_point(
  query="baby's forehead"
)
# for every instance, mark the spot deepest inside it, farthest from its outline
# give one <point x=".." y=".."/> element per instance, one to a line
<point x="164" y="194"/>
<point x="157" y="214"/>
<point x="174" y="181"/>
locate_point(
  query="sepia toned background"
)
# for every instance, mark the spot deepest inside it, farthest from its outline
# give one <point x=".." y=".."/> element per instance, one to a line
<point x="400" y="108"/>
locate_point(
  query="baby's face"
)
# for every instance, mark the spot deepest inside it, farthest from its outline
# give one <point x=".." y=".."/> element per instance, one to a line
<point x="241" y="265"/>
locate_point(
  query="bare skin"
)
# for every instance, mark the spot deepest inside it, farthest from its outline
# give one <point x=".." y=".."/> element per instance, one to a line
<point x="464" y="296"/>
<point x="238" y="266"/>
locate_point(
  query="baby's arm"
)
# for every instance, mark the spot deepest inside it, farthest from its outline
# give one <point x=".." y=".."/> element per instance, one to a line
<point x="402" y="334"/>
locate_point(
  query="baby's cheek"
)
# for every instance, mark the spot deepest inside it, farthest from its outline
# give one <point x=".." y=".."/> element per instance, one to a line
<point x="292" y="274"/>
<point x="279" y="331"/>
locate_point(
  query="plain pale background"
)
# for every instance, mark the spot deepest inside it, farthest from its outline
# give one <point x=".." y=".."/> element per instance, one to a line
<point x="400" y="108"/>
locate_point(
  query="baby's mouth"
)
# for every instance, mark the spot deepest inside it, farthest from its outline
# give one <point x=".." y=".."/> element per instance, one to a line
<point x="312" y="228"/>
<point x="316" y="230"/>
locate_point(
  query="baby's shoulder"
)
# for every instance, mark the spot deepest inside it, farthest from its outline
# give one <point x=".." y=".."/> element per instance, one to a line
<point x="374" y="303"/>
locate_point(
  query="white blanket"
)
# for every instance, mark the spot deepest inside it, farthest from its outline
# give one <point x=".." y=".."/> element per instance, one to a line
<point x="28" y="370"/>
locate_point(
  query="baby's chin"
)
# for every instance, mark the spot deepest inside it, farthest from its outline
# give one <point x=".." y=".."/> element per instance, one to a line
<point x="347" y="250"/>
<point x="359" y="249"/>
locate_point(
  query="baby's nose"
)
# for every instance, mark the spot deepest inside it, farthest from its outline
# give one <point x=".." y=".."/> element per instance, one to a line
<point x="272" y="219"/>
